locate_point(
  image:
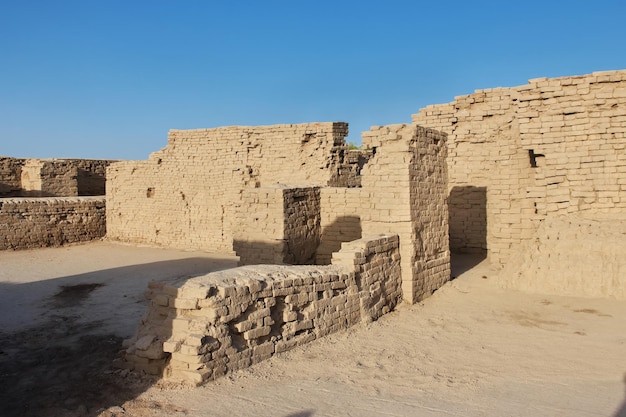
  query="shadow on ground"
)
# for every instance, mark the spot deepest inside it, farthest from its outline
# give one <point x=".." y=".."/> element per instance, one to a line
<point x="60" y="364"/>
<point x="463" y="262"/>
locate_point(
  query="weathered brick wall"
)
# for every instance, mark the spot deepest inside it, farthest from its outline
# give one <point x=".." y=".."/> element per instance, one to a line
<point x="201" y="328"/>
<point x="341" y="210"/>
<point x="58" y="178"/>
<point x="405" y="184"/>
<point x="187" y="194"/>
<point x="517" y="155"/>
<point x="40" y="222"/>
<point x="10" y="176"/>
<point x="404" y="192"/>
<point x="574" y="255"/>
<point x="278" y="225"/>
<point x="348" y="166"/>
<point x="52" y="177"/>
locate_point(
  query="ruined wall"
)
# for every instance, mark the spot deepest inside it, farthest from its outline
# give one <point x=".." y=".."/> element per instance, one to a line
<point x="200" y="329"/>
<point x="278" y="225"/>
<point x="404" y="192"/>
<point x="10" y="176"/>
<point x="58" y="178"/>
<point x="52" y="177"/>
<point x="349" y="163"/>
<point x="405" y="184"/>
<point x="187" y="195"/>
<point x="341" y="211"/>
<point x="40" y="222"/>
<point x="518" y="155"/>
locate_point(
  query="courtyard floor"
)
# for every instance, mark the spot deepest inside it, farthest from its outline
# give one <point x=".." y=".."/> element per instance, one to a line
<point x="472" y="349"/>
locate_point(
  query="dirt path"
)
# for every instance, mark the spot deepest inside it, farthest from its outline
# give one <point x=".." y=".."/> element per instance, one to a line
<point x="472" y="349"/>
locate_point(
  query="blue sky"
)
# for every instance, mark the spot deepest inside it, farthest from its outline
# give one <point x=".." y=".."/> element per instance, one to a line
<point x="108" y="79"/>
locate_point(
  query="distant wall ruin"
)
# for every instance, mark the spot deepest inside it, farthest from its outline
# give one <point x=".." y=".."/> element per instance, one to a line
<point x="52" y="221"/>
<point x="21" y="177"/>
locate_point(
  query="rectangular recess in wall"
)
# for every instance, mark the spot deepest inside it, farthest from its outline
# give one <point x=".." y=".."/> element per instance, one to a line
<point x="533" y="157"/>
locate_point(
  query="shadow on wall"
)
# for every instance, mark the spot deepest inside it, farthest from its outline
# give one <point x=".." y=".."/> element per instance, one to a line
<point x="467" y="208"/>
<point x="342" y="229"/>
<point x="622" y="411"/>
<point x="57" y="359"/>
<point x="90" y="183"/>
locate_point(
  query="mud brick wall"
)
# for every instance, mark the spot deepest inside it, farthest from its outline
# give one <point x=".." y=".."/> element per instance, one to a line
<point x="341" y="210"/>
<point x="348" y="166"/>
<point x="10" y="176"/>
<point x="58" y="178"/>
<point x="40" y="222"/>
<point x="575" y="255"/>
<point x="187" y="194"/>
<point x="404" y="192"/>
<point x="278" y="225"/>
<point x="52" y="177"/>
<point x="405" y="184"/>
<point x="519" y="155"/>
<point x="201" y="328"/>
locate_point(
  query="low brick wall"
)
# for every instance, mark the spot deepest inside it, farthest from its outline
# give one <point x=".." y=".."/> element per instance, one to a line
<point x="40" y="222"/>
<point x="199" y="329"/>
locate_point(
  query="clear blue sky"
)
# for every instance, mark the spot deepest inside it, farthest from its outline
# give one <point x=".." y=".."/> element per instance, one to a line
<point x="108" y="79"/>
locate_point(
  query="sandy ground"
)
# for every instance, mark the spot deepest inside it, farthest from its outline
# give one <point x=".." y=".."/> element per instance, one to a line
<point x="472" y="349"/>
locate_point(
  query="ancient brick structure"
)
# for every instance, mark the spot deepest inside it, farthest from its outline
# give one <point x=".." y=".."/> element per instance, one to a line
<point x="39" y="222"/>
<point x="187" y="195"/>
<point x="278" y="225"/>
<point x="516" y="156"/>
<point x="235" y="188"/>
<point x="52" y="177"/>
<point x="10" y="176"/>
<point x="201" y="328"/>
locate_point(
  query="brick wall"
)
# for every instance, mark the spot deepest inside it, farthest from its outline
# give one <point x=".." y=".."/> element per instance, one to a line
<point x="577" y="255"/>
<point x="201" y="328"/>
<point x="187" y="195"/>
<point x="405" y="192"/>
<point x="40" y="222"/>
<point x="341" y="211"/>
<point x="52" y="177"/>
<point x="517" y="155"/>
<point x="278" y="225"/>
<point x="10" y="176"/>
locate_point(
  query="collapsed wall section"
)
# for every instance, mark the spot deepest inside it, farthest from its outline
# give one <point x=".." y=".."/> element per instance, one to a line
<point x="201" y="328"/>
<point x="187" y="195"/>
<point x="40" y="222"/>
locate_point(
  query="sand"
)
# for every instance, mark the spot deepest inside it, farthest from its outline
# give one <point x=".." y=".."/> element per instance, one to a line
<point x="472" y="349"/>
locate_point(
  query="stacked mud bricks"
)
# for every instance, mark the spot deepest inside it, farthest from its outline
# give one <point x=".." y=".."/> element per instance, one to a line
<point x="404" y="191"/>
<point x="50" y="221"/>
<point x="518" y="155"/>
<point x="278" y="225"/>
<point x="52" y="177"/>
<point x="264" y="192"/>
<point x="187" y="195"/>
<point x="42" y="203"/>
<point x="200" y="329"/>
